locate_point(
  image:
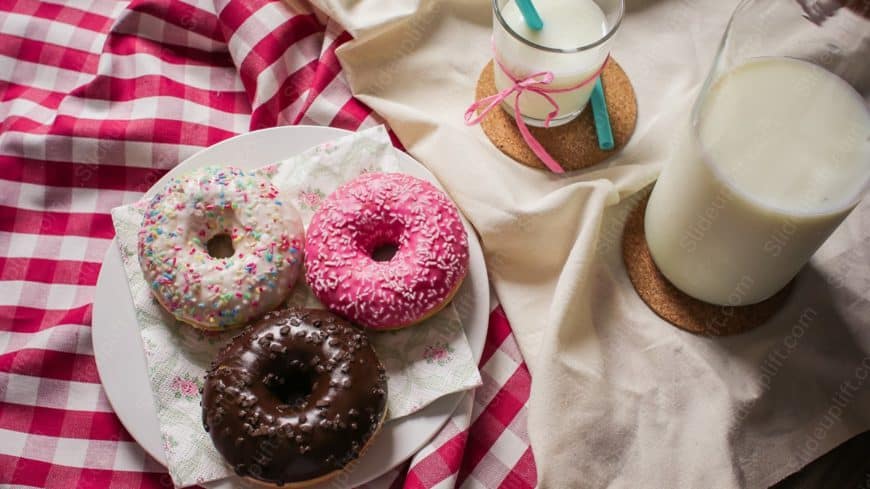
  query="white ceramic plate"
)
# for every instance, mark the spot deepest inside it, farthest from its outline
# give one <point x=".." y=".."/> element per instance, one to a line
<point x="118" y="346"/>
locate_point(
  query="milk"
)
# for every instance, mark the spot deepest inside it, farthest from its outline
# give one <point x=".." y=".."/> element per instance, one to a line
<point x="568" y="25"/>
<point x="783" y="157"/>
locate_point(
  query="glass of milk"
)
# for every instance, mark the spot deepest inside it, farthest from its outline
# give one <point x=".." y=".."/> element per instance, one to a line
<point x="772" y="158"/>
<point x="573" y="46"/>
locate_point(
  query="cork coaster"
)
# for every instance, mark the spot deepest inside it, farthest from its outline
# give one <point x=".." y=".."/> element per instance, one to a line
<point x="573" y="145"/>
<point x="676" y="307"/>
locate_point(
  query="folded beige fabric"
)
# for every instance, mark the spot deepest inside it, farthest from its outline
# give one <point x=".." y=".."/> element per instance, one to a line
<point x="619" y="397"/>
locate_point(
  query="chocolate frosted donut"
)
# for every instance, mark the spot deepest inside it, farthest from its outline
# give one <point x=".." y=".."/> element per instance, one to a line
<point x="294" y="398"/>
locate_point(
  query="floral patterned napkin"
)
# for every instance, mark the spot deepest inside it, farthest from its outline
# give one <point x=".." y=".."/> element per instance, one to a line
<point x="423" y="362"/>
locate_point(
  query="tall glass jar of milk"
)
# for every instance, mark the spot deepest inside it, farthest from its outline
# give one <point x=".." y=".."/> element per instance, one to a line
<point x="572" y="45"/>
<point x="774" y="155"/>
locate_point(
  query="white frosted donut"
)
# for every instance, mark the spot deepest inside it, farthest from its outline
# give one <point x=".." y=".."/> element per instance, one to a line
<point x="209" y="289"/>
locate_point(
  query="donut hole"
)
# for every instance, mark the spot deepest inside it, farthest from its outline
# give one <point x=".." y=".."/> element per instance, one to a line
<point x="220" y="246"/>
<point x="384" y="252"/>
<point x="292" y="387"/>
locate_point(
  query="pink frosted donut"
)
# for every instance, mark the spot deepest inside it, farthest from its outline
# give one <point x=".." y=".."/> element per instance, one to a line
<point x="379" y="212"/>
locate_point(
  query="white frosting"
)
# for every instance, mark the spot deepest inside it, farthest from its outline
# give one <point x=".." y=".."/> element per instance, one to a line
<point x="213" y="293"/>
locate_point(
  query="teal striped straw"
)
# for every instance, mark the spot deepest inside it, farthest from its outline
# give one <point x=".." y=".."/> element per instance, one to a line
<point x="601" y="117"/>
<point x="530" y="14"/>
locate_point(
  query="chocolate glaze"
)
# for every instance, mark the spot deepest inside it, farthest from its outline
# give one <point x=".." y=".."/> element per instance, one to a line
<point x="294" y="397"/>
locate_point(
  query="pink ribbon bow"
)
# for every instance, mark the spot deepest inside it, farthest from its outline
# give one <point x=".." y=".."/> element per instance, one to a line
<point x="535" y="83"/>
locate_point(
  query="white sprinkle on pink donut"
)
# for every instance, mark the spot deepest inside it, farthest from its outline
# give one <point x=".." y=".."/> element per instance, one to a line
<point x="393" y="210"/>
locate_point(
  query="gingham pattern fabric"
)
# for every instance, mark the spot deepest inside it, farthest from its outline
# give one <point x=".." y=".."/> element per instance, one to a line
<point x="98" y="99"/>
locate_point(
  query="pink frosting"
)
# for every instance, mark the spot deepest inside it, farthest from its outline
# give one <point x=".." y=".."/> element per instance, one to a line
<point x="386" y="209"/>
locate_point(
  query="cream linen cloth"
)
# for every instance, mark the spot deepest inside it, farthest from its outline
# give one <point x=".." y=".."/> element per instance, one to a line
<point x="619" y="397"/>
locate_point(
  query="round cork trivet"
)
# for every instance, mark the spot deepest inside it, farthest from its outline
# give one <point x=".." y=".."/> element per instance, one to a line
<point x="674" y="306"/>
<point x="575" y="144"/>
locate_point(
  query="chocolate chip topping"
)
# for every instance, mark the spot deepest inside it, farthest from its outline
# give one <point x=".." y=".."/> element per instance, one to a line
<point x="278" y="399"/>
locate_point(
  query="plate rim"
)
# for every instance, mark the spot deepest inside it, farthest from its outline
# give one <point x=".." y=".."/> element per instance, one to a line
<point x="446" y="404"/>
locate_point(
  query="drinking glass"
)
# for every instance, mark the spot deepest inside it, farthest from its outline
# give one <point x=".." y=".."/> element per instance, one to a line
<point x="773" y="156"/>
<point x="524" y="52"/>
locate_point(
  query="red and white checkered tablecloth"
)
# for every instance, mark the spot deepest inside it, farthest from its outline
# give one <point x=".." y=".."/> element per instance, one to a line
<point x="98" y="99"/>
